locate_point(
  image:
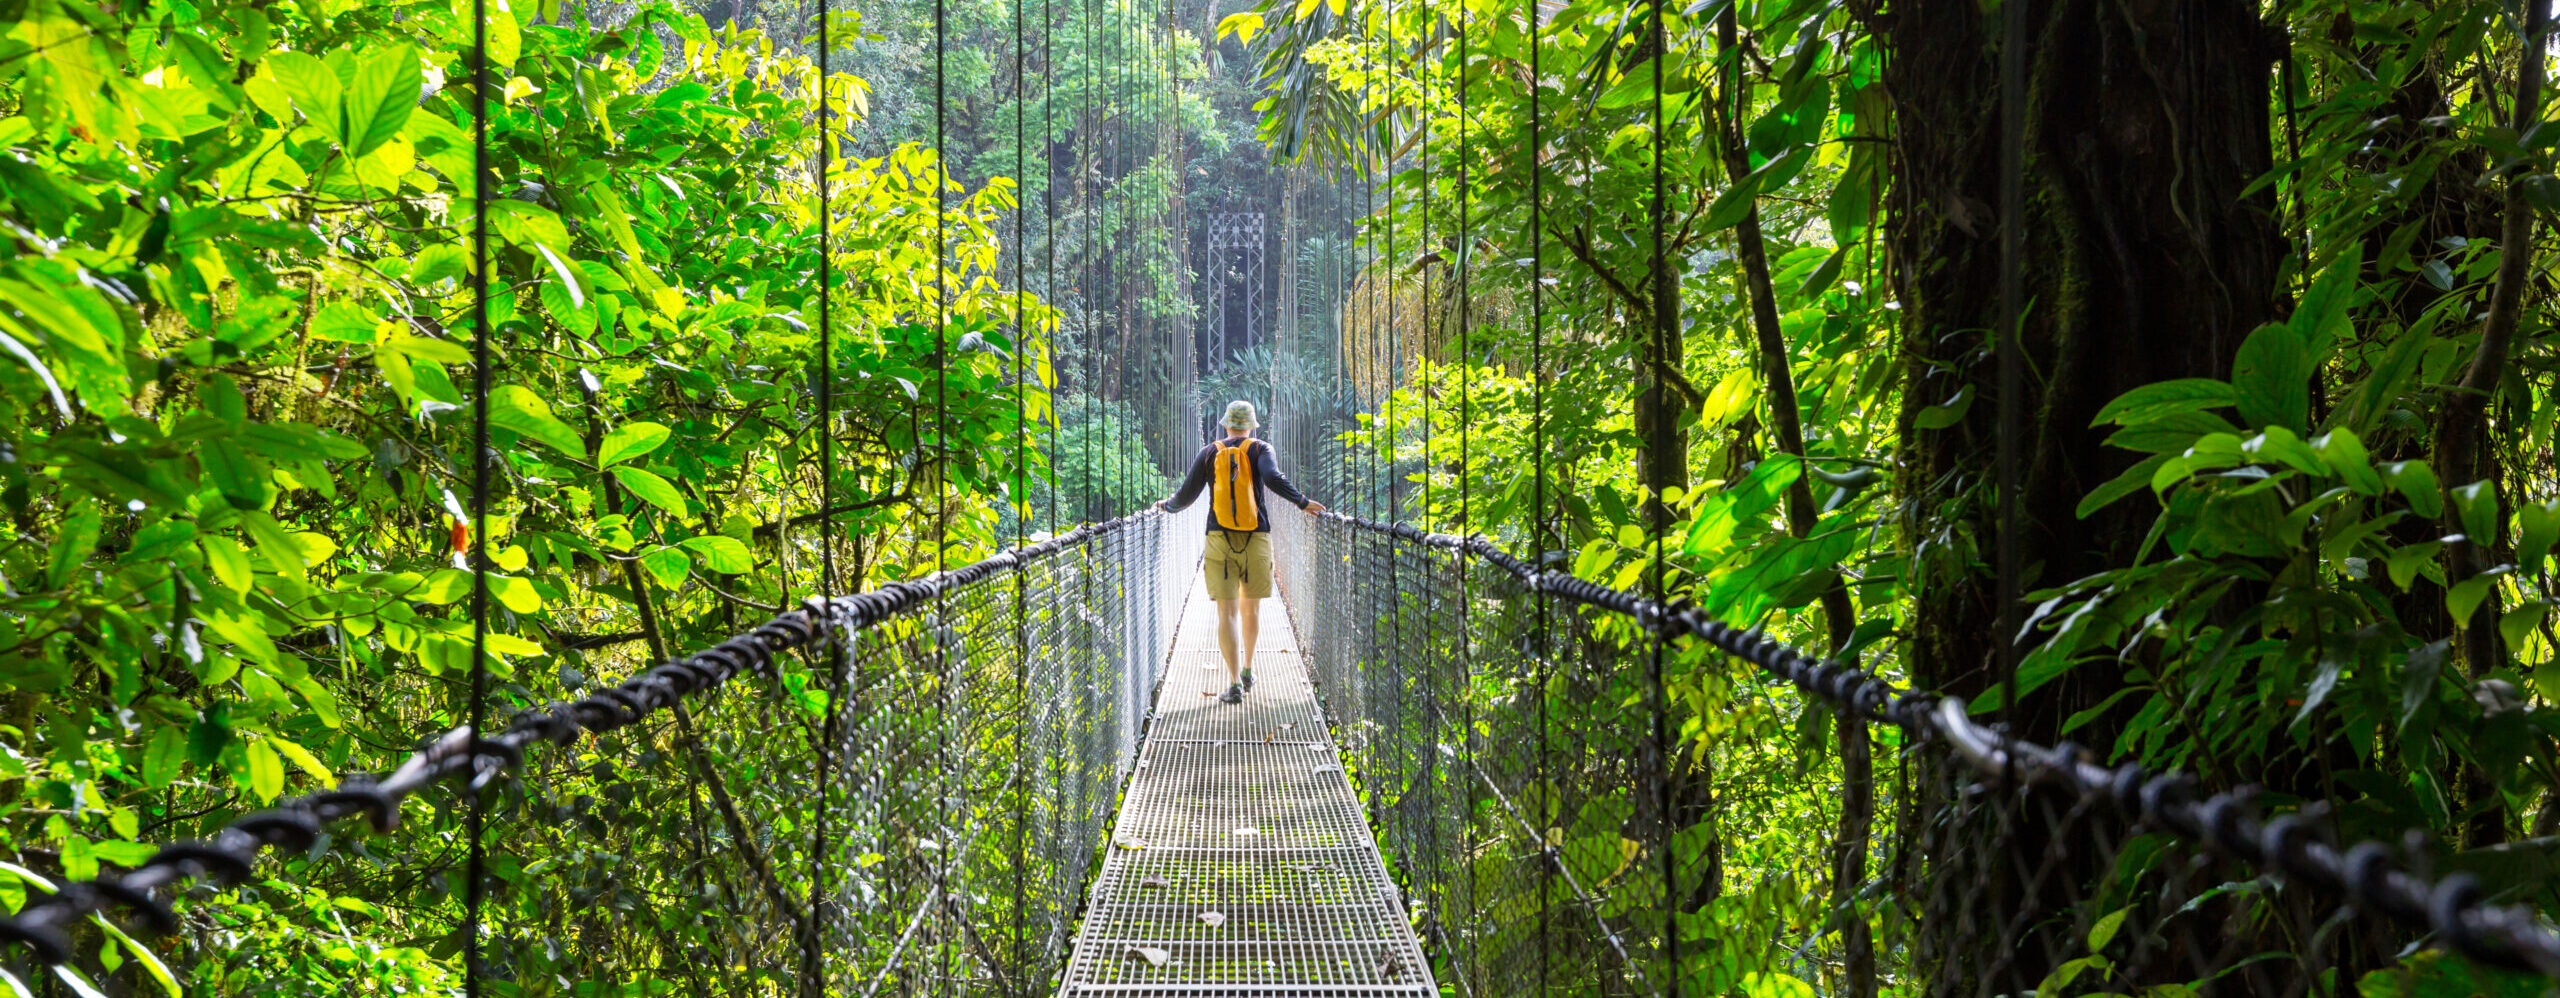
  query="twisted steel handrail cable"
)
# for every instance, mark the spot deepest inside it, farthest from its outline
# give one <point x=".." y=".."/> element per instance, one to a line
<point x="2366" y="874"/>
<point x="229" y="856"/>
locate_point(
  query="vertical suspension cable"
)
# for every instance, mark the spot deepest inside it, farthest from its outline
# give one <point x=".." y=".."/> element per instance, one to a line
<point x="2013" y="43"/>
<point x="813" y="960"/>
<point x="1663" y="294"/>
<point x="1466" y="413"/>
<point x="940" y="451"/>
<point x="1538" y="485"/>
<point x="475" y="818"/>
<point x="1049" y="237"/>
<point x="1020" y="500"/>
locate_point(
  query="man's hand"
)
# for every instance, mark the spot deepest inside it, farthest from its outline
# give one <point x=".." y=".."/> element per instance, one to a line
<point x="1314" y="507"/>
<point x="1160" y="505"/>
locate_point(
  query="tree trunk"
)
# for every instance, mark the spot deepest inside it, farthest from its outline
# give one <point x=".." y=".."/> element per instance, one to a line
<point x="2141" y="261"/>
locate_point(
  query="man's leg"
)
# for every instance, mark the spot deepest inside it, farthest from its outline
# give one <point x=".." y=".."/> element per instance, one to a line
<point x="1227" y="613"/>
<point x="1248" y="617"/>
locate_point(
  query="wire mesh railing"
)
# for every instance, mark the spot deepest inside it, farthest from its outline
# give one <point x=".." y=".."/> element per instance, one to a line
<point x="1510" y="729"/>
<point x="899" y="792"/>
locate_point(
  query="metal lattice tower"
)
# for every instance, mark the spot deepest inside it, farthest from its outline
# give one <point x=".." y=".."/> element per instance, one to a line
<point x="1233" y="322"/>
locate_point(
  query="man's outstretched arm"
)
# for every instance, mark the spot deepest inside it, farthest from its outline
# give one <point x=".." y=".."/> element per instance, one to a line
<point x="1268" y="468"/>
<point x="1191" y="486"/>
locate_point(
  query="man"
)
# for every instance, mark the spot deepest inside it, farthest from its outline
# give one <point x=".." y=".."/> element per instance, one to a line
<point x="1237" y="470"/>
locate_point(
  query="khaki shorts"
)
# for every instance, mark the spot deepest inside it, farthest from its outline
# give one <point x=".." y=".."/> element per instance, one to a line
<point x="1237" y="569"/>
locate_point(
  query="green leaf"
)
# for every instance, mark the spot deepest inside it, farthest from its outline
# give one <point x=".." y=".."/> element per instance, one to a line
<point x="312" y="86"/>
<point x="518" y="408"/>
<point x="1822" y="276"/>
<point x="344" y="322"/>
<point x="1945" y="414"/>
<point x="652" y="489"/>
<point x="2346" y="456"/>
<point x="380" y="99"/>
<point x="725" y="555"/>
<point x="2160" y="398"/>
<point x="2465" y="597"/>
<point x="150" y="962"/>
<point x="445" y="587"/>
<point x="2400" y="363"/>
<point x="2272" y="378"/>
<point x="229" y="562"/>
<point x="514" y="593"/>
<point x="669" y="565"/>
<point x="2416" y="483"/>
<point x="2124" y="485"/>
<point x="2517" y="624"/>
<point x="302" y="758"/>
<point x="2321" y="318"/>
<point x="242" y="479"/>
<point x="2171" y="432"/>
<point x="2540" y="523"/>
<point x="80" y="985"/>
<point x="2419" y="671"/>
<point x="280" y="549"/>
<point x="2405" y="563"/>
<point x="266" y="770"/>
<point x="166" y="757"/>
<point x="628" y="441"/>
<point x="2105" y="931"/>
<point x="73" y="542"/>
<point x="2477" y="505"/>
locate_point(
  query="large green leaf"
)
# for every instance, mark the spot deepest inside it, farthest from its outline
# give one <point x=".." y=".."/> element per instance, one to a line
<point x="652" y="489"/>
<point x="517" y="408"/>
<point x="2272" y="379"/>
<point x="380" y="99"/>
<point x="313" y="87"/>
<point x="628" y="441"/>
<point x="2159" y="398"/>
<point x="725" y="555"/>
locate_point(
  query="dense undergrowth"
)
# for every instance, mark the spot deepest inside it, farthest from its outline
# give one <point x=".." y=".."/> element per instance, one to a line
<point x="234" y="432"/>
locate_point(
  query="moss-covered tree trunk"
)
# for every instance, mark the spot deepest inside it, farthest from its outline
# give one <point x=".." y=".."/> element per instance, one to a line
<point x="2141" y="261"/>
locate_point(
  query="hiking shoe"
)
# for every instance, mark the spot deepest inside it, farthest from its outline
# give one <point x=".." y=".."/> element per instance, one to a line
<point x="1248" y="679"/>
<point x="1235" y="694"/>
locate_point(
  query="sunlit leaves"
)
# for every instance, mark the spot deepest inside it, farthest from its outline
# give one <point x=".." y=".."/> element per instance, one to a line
<point x="628" y="441"/>
<point x="517" y="408"/>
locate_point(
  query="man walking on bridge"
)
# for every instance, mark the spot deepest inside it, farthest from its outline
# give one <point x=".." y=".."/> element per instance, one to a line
<point x="1236" y="469"/>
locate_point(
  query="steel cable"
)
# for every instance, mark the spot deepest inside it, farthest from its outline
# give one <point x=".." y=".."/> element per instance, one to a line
<point x="295" y="825"/>
<point x="2367" y="875"/>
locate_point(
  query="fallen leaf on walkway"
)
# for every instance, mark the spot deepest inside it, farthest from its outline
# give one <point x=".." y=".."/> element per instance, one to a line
<point x="1132" y="845"/>
<point x="1154" y="957"/>
<point x="1213" y="919"/>
<point x="1154" y="882"/>
<point x="1391" y="968"/>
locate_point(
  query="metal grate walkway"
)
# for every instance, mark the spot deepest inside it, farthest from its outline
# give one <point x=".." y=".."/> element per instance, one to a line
<point x="1242" y="864"/>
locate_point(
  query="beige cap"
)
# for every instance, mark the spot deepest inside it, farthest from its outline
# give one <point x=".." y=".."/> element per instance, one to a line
<point x="1240" y="416"/>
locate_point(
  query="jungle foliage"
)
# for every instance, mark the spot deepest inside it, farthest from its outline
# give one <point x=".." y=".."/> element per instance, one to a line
<point x="2291" y="389"/>
<point x="234" y="442"/>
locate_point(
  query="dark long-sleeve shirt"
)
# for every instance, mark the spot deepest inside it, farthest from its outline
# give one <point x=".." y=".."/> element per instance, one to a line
<point x="1266" y="480"/>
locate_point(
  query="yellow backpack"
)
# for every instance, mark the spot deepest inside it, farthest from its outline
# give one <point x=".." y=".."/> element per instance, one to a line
<point x="1231" y="490"/>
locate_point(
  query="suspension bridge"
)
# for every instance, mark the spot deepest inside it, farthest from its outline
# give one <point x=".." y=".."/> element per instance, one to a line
<point x="1462" y="770"/>
<point x="1025" y="786"/>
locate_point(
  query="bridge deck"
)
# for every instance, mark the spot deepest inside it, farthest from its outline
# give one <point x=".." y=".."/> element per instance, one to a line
<point x="1242" y="864"/>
